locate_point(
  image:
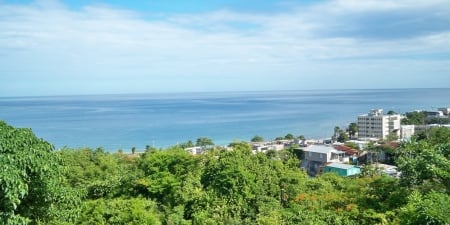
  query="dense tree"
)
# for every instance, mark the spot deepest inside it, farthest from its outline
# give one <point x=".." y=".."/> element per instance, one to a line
<point x="414" y="118"/>
<point x="289" y="136"/>
<point x="392" y="137"/>
<point x="32" y="185"/>
<point x="337" y="130"/>
<point x="120" y="211"/>
<point x="188" y="144"/>
<point x="425" y="164"/>
<point x="352" y="130"/>
<point x="430" y="208"/>
<point x="342" y="137"/>
<point x="437" y="135"/>
<point x="257" y="138"/>
<point x="221" y="186"/>
<point x="204" y="141"/>
<point x="391" y="112"/>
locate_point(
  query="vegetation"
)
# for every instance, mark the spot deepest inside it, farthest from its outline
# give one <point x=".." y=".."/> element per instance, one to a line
<point x="257" y="138"/>
<point x="414" y="118"/>
<point x="352" y="130"/>
<point x="90" y="186"/>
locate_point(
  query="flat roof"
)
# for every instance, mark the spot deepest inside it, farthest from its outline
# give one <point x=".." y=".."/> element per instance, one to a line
<point x="322" y="149"/>
<point x="340" y="166"/>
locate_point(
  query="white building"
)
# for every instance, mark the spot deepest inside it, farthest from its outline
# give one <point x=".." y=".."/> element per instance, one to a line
<point x="406" y="131"/>
<point x="375" y="124"/>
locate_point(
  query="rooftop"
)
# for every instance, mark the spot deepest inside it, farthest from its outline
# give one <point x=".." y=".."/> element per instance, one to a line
<point x="340" y="166"/>
<point x="321" y="149"/>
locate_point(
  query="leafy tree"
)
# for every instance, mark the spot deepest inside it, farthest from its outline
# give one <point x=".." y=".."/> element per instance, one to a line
<point x="352" y="130"/>
<point x="336" y="133"/>
<point x="414" y="118"/>
<point x="204" y="141"/>
<point x="343" y="137"/>
<point x="422" y="163"/>
<point x="431" y="208"/>
<point x="165" y="174"/>
<point x="257" y="138"/>
<point x="120" y="211"/>
<point x="392" y="137"/>
<point x="439" y="135"/>
<point x="188" y="144"/>
<point x="289" y="136"/>
<point x="133" y="150"/>
<point x="391" y="112"/>
<point x="32" y="186"/>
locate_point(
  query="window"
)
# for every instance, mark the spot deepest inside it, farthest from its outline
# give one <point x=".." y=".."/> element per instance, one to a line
<point x="321" y="155"/>
<point x="309" y="154"/>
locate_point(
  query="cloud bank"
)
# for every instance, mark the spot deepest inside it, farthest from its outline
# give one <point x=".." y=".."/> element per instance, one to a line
<point x="48" y="48"/>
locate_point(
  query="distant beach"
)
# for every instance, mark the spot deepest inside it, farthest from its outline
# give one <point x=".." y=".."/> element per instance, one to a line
<point x="161" y="120"/>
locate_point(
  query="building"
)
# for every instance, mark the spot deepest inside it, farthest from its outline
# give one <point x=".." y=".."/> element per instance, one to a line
<point x="195" y="150"/>
<point x="435" y="114"/>
<point x="445" y="111"/>
<point x="343" y="170"/>
<point x="267" y="146"/>
<point x="375" y="124"/>
<point x="318" y="156"/>
<point x="407" y="131"/>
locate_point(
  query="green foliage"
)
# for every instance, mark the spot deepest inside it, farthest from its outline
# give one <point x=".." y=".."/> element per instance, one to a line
<point x="204" y="141"/>
<point x="289" y="136"/>
<point x="437" y="135"/>
<point x="352" y="129"/>
<point x="421" y="162"/>
<point x="391" y="112"/>
<point x="166" y="175"/>
<point x="257" y="138"/>
<point x="32" y="186"/>
<point x="188" y="144"/>
<point x="392" y="137"/>
<point x="343" y="137"/>
<point x="98" y="173"/>
<point x="431" y="208"/>
<point x="414" y="118"/>
<point x="352" y="145"/>
<point x="120" y="211"/>
<point x="218" y="187"/>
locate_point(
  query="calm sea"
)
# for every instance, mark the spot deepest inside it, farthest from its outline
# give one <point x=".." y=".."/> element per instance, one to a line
<point x="123" y="121"/>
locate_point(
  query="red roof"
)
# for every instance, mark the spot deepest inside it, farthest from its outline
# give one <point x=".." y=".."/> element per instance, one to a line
<point x="346" y="149"/>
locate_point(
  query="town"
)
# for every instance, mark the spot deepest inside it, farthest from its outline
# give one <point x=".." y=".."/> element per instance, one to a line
<point x="369" y="140"/>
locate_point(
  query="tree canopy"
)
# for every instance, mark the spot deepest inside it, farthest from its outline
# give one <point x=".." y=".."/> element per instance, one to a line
<point x="257" y="138"/>
<point x="235" y="186"/>
<point x="32" y="184"/>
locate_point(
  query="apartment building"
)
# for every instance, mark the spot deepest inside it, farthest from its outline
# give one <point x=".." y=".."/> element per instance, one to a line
<point x="378" y="125"/>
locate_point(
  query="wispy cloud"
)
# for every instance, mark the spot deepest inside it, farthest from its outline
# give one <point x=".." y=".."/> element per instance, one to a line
<point x="102" y="48"/>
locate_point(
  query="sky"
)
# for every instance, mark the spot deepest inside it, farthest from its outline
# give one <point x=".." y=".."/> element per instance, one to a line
<point x="50" y="47"/>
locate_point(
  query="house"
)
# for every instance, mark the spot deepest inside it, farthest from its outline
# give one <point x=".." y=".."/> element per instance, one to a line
<point x="317" y="156"/>
<point x="195" y="150"/>
<point x="266" y="146"/>
<point x="343" y="170"/>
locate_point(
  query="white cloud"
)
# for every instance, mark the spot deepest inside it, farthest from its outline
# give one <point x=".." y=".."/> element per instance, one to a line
<point x="120" y="47"/>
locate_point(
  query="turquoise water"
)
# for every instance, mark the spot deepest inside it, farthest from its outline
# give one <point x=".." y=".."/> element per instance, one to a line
<point x="123" y="121"/>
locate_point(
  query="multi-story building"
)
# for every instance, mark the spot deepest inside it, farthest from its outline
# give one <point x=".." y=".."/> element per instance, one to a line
<point x="375" y="124"/>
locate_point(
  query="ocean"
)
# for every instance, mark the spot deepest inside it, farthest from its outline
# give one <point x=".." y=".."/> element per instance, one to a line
<point x="160" y="120"/>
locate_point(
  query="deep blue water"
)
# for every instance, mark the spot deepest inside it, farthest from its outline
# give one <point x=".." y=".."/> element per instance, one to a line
<point x="123" y="121"/>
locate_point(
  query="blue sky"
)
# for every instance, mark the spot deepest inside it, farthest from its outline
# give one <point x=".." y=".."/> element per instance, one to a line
<point x="50" y="47"/>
